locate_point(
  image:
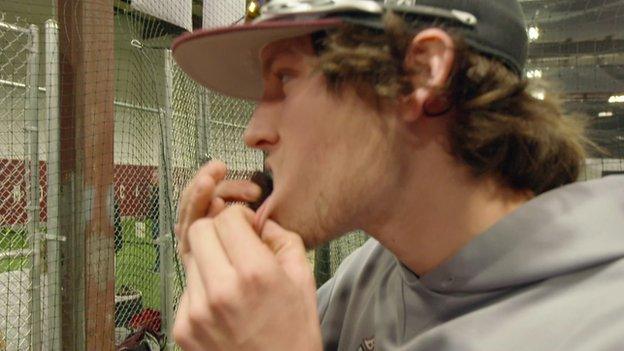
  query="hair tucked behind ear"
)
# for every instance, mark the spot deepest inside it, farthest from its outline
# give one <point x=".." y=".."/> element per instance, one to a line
<point x="500" y="129"/>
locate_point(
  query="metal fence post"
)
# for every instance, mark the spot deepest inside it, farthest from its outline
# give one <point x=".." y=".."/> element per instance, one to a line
<point x="167" y="275"/>
<point x="203" y="127"/>
<point x="53" y="336"/>
<point x="32" y="127"/>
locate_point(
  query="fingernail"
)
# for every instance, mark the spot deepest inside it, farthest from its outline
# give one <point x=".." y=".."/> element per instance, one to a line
<point x="253" y="192"/>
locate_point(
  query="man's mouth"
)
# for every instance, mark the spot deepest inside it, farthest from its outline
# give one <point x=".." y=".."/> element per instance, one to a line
<point x="265" y="181"/>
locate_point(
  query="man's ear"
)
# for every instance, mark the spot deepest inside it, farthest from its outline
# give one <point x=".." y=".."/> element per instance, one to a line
<point x="430" y="55"/>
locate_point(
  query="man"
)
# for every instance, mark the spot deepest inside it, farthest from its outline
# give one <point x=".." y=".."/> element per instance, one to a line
<point x="409" y="120"/>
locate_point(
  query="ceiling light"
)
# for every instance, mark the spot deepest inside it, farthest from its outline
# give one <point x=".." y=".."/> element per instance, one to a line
<point x="539" y="94"/>
<point x="533" y="33"/>
<point x="253" y="9"/>
<point x="616" y="99"/>
<point x="604" y="114"/>
<point x="534" y="73"/>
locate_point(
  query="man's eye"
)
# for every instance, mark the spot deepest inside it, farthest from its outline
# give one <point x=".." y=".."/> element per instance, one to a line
<point x="284" y="77"/>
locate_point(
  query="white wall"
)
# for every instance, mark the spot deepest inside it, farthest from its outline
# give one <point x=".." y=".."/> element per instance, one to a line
<point x="595" y="166"/>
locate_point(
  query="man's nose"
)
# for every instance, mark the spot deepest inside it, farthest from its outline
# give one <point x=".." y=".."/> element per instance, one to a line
<point x="261" y="132"/>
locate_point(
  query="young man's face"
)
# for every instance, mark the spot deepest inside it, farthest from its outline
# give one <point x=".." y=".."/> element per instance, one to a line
<point x="329" y="154"/>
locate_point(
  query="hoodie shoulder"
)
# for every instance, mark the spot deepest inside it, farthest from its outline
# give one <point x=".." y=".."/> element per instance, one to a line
<point x="565" y="230"/>
<point x="344" y="298"/>
<point x="347" y="273"/>
<point x="576" y="312"/>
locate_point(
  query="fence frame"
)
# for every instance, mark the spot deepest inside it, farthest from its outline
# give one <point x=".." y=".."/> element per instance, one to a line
<point x="165" y="240"/>
<point x="53" y="258"/>
<point x="203" y="127"/>
<point x="32" y="149"/>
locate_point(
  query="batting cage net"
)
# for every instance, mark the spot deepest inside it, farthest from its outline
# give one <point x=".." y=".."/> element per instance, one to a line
<point x="100" y="131"/>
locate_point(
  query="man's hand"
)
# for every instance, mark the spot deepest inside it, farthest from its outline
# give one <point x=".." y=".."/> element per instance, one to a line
<point x="246" y="291"/>
<point x="206" y="195"/>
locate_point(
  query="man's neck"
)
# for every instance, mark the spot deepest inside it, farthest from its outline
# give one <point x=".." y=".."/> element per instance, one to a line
<point x="435" y="214"/>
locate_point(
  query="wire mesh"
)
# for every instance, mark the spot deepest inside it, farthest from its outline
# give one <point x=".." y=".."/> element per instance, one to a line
<point x="224" y="120"/>
<point x="138" y="104"/>
<point x="16" y="236"/>
<point x="203" y="126"/>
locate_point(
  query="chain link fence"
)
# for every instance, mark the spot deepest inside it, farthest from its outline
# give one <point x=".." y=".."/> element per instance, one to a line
<point x="14" y="235"/>
<point x="22" y="183"/>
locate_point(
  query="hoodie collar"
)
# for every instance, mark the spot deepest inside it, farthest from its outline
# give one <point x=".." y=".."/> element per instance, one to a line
<point x="561" y="231"/>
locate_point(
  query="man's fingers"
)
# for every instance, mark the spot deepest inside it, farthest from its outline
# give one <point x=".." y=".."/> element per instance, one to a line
<point x="199" y="199"/>
<point x="207" y="186"/>
<point x="192" y="316"/>
<point x="197" y="196"/>
<point x="217" y="205"/>
<point x="184" y="332"/>
<point x="290" y="253"/>
<point x="208" y="197"/>
<point x="240" y="241"/>
<point x="238" y="190"/>
<point x="194" y="286"/>
<point x="285" y="245"/>
<point x="232" y="190"/>
<point x="213" y="266"/>
<point x="213" y="169"/>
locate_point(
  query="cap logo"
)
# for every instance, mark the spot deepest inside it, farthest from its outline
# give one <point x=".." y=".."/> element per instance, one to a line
<point x="401" y="2"/>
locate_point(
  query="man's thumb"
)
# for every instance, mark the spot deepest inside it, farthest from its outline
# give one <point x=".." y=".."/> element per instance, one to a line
<point x="289" y="251"/>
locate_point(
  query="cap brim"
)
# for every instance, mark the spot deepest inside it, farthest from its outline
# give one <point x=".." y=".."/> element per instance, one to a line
<point x="227" y="59"/>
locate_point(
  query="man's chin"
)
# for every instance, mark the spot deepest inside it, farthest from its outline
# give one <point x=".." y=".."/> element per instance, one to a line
<point x="311" y="242"/>
<point x="291" y="224"/>
<point x="308" y="228"/>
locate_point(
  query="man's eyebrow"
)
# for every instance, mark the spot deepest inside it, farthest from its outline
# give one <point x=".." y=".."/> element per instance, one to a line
<point x="273" y="55"/>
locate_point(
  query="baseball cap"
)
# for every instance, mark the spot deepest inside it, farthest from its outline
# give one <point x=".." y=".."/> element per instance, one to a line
<point x="227" y="59"/>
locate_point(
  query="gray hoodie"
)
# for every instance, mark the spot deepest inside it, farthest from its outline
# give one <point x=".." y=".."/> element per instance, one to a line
<point x="549" y="276"/>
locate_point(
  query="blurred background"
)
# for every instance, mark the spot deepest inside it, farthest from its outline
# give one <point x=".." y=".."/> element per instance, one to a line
<point x="100" y="131"/>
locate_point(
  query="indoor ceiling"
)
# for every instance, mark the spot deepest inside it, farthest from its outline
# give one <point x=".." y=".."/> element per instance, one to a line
<point x="580" y="49"/>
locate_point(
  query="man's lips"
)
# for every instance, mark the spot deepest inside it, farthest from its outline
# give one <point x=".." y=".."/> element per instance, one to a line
<point x="262" y="215"/>
<point x="265" y="182"/>
<point x="262" y="205"/>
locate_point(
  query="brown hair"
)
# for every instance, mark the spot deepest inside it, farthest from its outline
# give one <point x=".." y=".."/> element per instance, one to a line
<point x="501" y="130"/>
